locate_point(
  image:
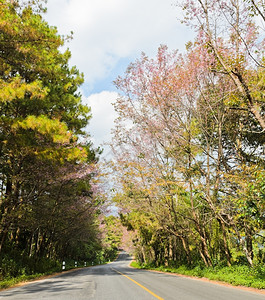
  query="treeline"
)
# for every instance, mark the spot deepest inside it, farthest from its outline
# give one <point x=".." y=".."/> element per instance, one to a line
<point x="189" y="142"/>
<point x="48" y="198"/>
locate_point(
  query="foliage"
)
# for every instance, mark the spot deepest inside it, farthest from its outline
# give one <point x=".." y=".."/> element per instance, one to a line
<point x="111" y="237"/>
<point x="188" y="144"/>
<point x="235" y="275"/>
<point x="48" y="166"/>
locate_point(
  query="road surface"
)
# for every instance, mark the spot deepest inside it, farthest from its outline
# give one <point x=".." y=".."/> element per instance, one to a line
<point x="117" y="281"/>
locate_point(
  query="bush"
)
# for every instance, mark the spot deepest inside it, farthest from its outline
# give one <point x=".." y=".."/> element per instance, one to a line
<point x="18" y="266"/>
<point x="235" y="275"/>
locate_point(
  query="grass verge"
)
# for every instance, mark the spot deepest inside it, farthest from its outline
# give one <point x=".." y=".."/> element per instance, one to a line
<point x="9" y="282"/>
<point x="236" y="275"/>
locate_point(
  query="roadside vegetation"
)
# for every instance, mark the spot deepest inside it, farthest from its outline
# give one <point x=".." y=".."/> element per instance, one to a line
<point x="237" y="275"/>
<point x="188" y="147"/>
<point x="51" y="204"/>
<point x="12" y="281"/>
<point x="15" y="271"/>
<point x="55" y="267"/>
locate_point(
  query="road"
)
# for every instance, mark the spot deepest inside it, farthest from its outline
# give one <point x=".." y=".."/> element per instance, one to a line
<point x="117" y="281"/>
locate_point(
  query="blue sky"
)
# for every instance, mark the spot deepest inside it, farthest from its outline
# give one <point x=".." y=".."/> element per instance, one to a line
<point x="108" y="35"/>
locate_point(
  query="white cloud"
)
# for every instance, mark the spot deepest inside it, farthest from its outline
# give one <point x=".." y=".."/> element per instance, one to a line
<point x="103" y="116"/>
<point x="108" y="30"/>
<point x="107" y="35"/>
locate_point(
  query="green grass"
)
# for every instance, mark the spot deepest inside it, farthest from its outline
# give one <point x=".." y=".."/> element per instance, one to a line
<point x="9" y="282"/>
<point x="235" y="275"/>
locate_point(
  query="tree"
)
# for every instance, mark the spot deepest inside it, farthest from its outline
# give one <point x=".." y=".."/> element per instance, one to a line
<point x="228" y="30"/>
<point x="158" y="152"/>
<point x="46" y="171"/>
<point x="176" y="143"/>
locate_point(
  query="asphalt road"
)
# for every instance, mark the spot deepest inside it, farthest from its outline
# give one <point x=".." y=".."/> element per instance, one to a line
<point x="117" y="281"/>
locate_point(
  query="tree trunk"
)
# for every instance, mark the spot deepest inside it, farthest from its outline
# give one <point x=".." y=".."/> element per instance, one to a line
<point x="226" y="248"/>
<point x="3" y="238"/>
<point x="203" y="257"/>
<point x="248" y="246"/>
<point x="186" y="249"/>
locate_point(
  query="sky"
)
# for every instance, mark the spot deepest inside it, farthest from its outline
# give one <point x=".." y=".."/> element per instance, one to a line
<point x="107" y="36"/>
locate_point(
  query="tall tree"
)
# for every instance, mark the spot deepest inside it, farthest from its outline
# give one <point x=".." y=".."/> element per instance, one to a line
<point x="229" y="31"/>
<point x="176" y="145"/>
<point x="46" y="172"/>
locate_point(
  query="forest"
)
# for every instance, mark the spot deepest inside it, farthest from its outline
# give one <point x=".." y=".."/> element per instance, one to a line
<point x="50" y="206"/>
<point x="188" y="144"/>
<point x="187" y="172"/>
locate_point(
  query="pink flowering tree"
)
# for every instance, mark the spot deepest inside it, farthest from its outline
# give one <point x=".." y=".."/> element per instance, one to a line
<point x="177" y="140"/>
